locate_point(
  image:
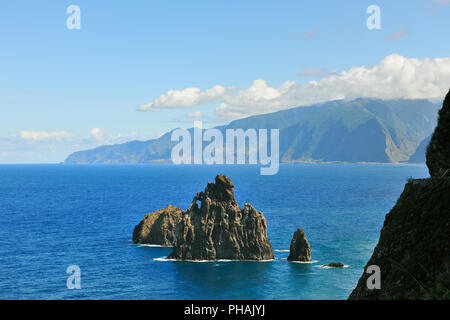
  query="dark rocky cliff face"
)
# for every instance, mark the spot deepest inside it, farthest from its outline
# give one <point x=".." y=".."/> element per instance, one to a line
<point x="413" y="252"/>
<point x="159" y="227"/>
<point x="220" y="229"/>
<point x="300" y="249"/>
<point x="438" y="151"/>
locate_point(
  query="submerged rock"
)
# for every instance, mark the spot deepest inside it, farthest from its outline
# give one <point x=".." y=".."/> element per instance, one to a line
<point x="159" y="227"/>
<point x="438" y="151"/>
<point x="334" y="265"/>
<point x="220" y="229"/>
<point x="300" y="249"/>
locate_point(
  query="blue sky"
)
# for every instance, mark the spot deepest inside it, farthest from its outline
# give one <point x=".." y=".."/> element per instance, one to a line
<point x="63" y="90"/>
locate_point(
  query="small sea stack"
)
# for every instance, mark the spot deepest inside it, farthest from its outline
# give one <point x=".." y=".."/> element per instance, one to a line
<point x="300" y="249"/>
<point x="159" y="227"/>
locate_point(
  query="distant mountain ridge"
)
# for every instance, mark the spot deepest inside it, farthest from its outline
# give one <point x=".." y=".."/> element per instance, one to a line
<point x="362" y="130"/>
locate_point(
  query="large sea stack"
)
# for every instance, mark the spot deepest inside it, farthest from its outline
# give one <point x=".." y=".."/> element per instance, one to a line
<point x="413" y="252"/>
<point x="217" y="229"/>
<point x="220" y="229"/>
<point x="300" y="249"/>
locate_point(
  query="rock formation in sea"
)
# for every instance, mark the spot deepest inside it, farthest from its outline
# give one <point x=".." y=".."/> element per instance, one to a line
<point x="438" y="151"/>
<point x="217" y="229"/>
<point x="334" y="265"/>
<point x="300" y="249"/>
<point x="413" y="252"/>
<point x="159" y="227"/>
<point x="220" y="229"/>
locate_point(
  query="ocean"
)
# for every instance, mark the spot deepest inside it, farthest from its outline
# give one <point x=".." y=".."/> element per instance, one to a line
<point x="54" y="216"/>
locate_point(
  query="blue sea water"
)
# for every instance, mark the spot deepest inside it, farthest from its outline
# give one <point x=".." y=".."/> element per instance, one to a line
<point x="53" y="216"/>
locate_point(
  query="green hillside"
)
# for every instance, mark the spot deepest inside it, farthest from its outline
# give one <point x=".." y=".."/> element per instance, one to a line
<point x="362" y="130"/>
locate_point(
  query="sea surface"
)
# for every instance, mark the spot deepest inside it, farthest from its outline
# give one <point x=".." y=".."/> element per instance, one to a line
<point x="54" y="216"/>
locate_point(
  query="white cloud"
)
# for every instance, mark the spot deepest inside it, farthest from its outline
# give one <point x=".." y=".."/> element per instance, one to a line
<point x="99" y="137"/>
<point x="120" y="138"/>
<point x="97" y="134"/>
<point x="185" y="98"/>
<point x="394" y="77"/>
<point x="258" y="98"/>
<point x="44" y="135"/>
<point x="44" y="146"/>
<point x="194" y="114"/>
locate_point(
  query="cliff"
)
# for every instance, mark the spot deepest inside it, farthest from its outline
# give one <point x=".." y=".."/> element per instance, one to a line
<point x="438" y="151"/>
<point x="413" y="252"/>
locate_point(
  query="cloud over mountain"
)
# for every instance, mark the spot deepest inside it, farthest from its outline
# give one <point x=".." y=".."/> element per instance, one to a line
<point x="44" y="135"/>
<point x="188" y="97"/>
<point x="395" y="77"/>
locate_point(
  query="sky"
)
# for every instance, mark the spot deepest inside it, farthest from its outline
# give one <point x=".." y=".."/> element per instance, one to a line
<point x="137" y="69"/>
